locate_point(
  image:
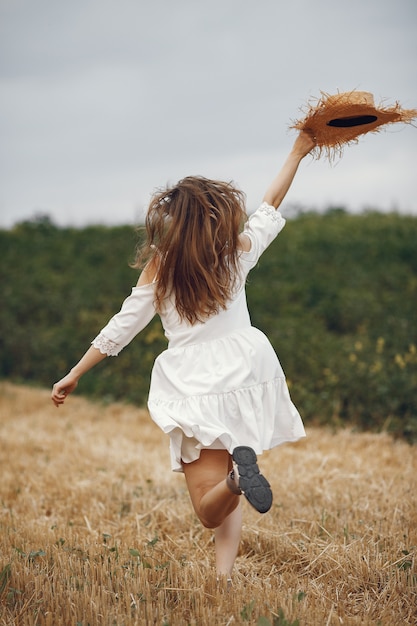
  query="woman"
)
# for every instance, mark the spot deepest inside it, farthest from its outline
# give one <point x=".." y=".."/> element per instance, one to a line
<point x="218" y="391"/>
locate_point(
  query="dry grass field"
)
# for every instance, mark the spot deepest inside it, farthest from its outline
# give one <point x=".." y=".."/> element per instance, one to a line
<point x="96" y="530"/>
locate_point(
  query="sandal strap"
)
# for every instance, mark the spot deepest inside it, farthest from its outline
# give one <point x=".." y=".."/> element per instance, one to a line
<point x="231" y="483"/>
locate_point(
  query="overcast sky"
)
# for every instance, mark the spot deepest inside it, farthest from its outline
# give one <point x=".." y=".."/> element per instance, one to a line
<point x="103" y="101"/>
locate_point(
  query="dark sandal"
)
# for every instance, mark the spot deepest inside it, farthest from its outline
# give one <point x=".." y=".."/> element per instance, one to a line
<point x="253" y="485"/>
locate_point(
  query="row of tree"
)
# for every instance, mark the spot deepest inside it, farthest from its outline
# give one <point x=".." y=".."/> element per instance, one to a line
<point x="335" y="293"/>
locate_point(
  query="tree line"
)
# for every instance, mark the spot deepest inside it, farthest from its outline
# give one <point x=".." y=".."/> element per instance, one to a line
<point x="336" y="294"/>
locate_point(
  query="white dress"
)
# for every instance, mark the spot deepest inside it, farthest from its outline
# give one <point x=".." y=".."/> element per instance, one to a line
<point x="219" y="384"/>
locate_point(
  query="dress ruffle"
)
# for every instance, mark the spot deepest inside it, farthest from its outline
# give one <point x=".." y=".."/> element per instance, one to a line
<point x="239" y="397"/>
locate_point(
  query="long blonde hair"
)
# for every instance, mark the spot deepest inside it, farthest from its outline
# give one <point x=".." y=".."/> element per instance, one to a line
<point x="192" y="235"/>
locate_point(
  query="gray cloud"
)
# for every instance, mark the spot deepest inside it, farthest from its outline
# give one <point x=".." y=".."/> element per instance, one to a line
<point x="102" y="101"/>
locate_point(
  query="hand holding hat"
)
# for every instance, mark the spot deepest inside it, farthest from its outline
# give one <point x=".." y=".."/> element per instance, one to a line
<point x="334" y="121"/>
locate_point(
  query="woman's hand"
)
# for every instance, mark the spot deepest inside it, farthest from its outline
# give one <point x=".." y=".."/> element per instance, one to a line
<point x="62" y="388"/>
<point x="67" y="384"/>
<point x="304" y="143"/>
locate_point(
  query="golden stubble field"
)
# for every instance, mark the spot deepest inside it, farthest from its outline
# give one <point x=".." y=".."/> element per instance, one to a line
<point x="96" y="530"/>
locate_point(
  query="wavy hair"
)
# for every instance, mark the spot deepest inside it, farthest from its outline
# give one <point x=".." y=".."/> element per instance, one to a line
<point x="192" y="235"/>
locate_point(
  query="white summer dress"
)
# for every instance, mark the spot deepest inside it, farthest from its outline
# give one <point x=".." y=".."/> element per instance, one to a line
<point x="219" y="384"/>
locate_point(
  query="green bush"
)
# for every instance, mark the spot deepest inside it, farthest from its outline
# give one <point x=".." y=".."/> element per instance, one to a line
<point x="335" y="293"/>
<point x="337" y="296"/>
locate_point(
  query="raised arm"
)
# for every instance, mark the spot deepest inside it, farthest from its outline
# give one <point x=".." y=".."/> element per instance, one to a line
<point x="278" y="188"/>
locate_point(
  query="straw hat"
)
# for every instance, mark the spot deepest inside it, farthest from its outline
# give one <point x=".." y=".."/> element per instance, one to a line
<point x="339" y="119"/>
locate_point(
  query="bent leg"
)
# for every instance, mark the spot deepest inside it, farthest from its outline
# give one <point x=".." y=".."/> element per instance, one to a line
<point x="206" y="481"/>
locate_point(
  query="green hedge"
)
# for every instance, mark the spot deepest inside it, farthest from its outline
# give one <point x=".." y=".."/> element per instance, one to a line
<point x="335" y="293"/>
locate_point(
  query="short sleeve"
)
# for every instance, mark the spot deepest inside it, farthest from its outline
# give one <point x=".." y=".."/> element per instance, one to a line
<point x="262" y="227"/>
<point x="136" y="312"/>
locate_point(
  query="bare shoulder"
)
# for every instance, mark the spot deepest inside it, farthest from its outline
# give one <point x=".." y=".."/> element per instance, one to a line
<point x="148" y="274"/>
<point x="244" y="243"/>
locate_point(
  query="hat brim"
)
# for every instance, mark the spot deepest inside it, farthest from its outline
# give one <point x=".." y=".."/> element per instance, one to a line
<point x="337" y="120"/>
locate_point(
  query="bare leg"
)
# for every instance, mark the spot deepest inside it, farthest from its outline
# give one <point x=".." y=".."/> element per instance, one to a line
<point x="227" y="538"/>
<point x="216" y="506"/>
<point x="206" y="481"/>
